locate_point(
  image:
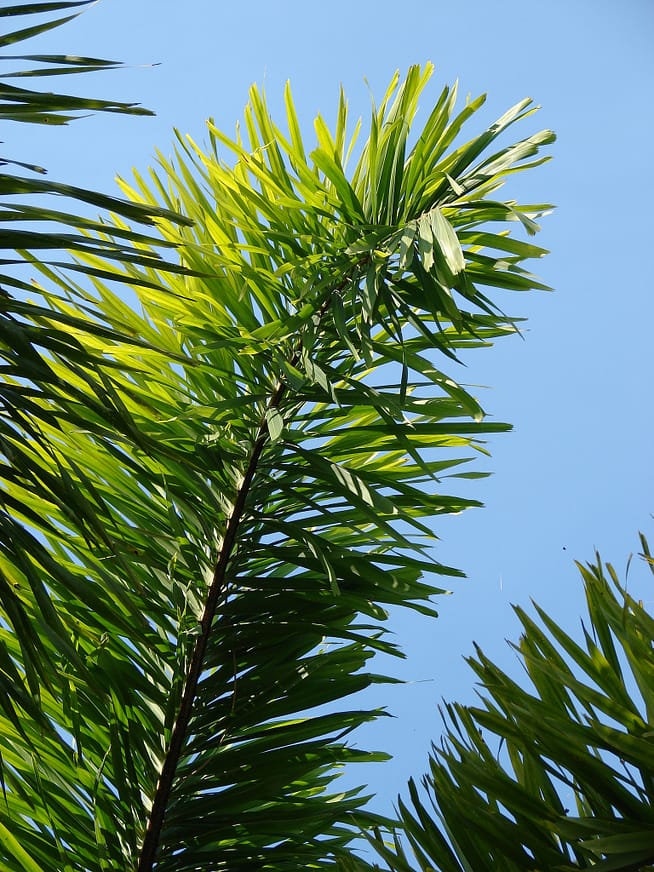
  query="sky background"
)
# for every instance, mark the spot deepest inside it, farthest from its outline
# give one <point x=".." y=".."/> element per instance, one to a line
<point x="576" y="472"/>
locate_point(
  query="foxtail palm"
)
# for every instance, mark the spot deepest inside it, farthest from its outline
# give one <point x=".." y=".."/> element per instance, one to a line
<point x="256" y="486"/>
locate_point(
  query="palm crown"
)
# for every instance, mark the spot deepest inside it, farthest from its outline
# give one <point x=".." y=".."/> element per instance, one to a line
<point x="213" y="491"/>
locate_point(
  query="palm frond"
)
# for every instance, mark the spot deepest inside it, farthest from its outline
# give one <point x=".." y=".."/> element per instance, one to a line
<point x="17" y="218"/>
<point x="253" y="479"/>
<point x="29" y="392"/>
<point x="557" y="776"/>
<point x="45" y="107"/>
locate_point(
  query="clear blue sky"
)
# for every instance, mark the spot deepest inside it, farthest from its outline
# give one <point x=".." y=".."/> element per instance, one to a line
<point x="577" y="471"/>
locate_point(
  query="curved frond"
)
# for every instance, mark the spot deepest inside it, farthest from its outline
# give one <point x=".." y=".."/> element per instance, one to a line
<point x="30" y="336"/>
<point x="556" y="776"/>
<point x="254" y="470"/>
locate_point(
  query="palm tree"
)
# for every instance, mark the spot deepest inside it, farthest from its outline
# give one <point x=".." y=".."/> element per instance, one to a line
<point x="234" y="483"/>
<point x="559" y="776"/>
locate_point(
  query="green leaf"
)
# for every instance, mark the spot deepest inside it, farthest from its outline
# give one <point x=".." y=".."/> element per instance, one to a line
<point x="508" y="771"/>
<point x="275" y="425"/>
<point x="13" y="849"/>
<point x="214" y="496"/>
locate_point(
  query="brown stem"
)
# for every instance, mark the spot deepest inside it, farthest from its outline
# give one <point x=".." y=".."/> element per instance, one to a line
<point x="153" y="832"/>
<point x="164" y="786"/>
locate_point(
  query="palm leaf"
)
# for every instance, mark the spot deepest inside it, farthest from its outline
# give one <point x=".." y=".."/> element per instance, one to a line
<point x="253" y="478"/>
<point x="31" y="394"/>
<point x="44" y="107"/>
<point x="572" y="784"/>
